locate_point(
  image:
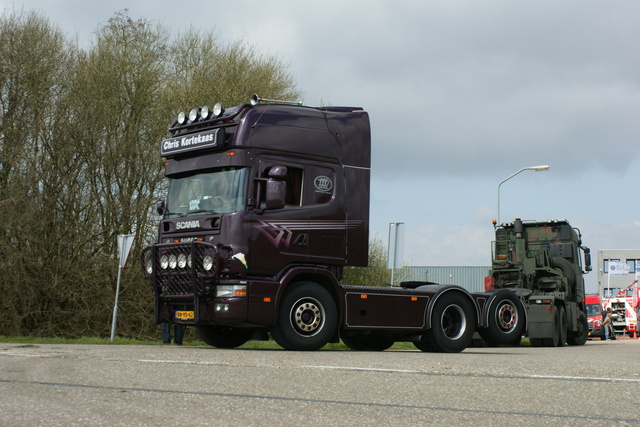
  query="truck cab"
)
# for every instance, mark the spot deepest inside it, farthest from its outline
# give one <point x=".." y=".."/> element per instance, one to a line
<point x="594" y="310"/>
<point x="258" y="195"/>
<point x="544" y="262"/>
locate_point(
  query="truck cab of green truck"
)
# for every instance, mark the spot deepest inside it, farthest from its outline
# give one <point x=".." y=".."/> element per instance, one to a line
<point x="544" y="263"/>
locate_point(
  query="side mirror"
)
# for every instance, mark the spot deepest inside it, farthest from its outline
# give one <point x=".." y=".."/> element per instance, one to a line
<point x="278" y="172"/>
<point x="276" y="188"/>
<point x="587" y="259"/>
<point x="160" y="207"/>
<point x="276" y="191"/>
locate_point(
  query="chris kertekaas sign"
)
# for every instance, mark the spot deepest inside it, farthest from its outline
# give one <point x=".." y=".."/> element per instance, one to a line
<point x="200" y="141"/>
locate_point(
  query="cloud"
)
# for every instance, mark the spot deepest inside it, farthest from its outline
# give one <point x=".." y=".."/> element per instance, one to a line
<point x="461" y="94"/>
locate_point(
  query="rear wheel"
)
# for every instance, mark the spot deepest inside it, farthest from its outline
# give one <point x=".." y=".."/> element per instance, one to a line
<point x="307" y="319"/>
<point x="223" y="337"/>
<point x="452" y="325"/>
<point x="579" y="337"/>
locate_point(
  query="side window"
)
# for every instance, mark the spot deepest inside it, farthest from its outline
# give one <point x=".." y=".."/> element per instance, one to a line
<point x="307" y="185"/>
<point x="294" y="186"/>
<point x="294" y="181"/>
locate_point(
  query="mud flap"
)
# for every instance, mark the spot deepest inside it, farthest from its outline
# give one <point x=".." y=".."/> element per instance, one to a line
<point x="540" y="321"/>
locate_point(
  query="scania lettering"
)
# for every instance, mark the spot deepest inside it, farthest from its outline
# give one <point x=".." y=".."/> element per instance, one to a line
<point x="259" y="222"/>
<point x="181" y="225"/>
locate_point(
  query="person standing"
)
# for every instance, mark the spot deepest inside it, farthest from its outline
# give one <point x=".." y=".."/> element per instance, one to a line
<point x="166" y="333"/>
<point x="607" y="324"/>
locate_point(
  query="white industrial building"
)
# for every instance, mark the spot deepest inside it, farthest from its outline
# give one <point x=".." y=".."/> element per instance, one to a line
<point x="613" y="280"/>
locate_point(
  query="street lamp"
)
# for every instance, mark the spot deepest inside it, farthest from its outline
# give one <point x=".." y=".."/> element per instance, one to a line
<point x="540" y="168"/>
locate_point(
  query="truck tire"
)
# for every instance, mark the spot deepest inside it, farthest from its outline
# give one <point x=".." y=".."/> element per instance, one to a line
<point x="562" y="325"/>
<point x="307" y="318"/>
<point x="579" y="337"/>
<point x="363" y="343"/>
<point x="452" y="325"/>
<point x="506" y="320"/>
<point x="223" y="337"/>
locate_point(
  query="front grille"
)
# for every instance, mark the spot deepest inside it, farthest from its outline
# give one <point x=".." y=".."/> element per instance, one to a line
<point x="180" y="269"/>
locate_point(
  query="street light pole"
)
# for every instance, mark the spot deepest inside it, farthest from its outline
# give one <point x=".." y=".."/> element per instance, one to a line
<point x="540" y="168"/>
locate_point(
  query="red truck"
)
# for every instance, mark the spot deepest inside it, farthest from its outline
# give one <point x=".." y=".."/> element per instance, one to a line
<point x="268" y="201"/>
<point x="594" y="316"/>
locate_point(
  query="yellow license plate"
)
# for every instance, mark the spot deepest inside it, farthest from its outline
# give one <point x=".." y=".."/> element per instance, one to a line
<point x="184" y="315"/>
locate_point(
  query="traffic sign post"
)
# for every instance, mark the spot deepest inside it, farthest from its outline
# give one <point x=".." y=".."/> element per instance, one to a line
<point x="124" y="246"/>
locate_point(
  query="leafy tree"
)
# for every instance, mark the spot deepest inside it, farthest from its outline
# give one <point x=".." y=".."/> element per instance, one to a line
<point x="79" y="164"/>
<point x="34" y="60"/>
<point x="376" y="273"/>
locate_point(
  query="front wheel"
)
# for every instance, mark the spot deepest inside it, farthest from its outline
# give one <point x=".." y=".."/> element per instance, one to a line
<point x="307" y="318"/>
<point x="506" y="319"/>
<point x="223" y="337"/>
<point x="452" y="325"/>
<point x="562" y="325"/>
<point x="579" y="337"/>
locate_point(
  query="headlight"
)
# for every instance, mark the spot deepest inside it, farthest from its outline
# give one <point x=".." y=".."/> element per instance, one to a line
<point x="231" y="291"/>
<point x="207" y="262"/>
<point x="173" y="261"/>
<point x="182" y="260"/>
<point x="164" y="262"/>
<point x="148" y="266"/>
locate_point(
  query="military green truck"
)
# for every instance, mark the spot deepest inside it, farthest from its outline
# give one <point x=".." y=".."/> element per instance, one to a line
<point x="541" y="266"/>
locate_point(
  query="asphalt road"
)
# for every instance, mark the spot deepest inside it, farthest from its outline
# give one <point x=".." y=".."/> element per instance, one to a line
<point x="598" y="383"/>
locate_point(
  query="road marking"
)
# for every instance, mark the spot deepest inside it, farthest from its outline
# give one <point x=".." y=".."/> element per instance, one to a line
<point x="343" y="368"/>
<point x="532" y="376"/>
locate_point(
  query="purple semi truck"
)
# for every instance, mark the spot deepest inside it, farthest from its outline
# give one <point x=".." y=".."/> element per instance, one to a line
<point x="268" y="201"/>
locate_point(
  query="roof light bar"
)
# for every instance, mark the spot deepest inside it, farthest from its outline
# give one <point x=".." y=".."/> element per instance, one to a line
<point x="200" y="114"/>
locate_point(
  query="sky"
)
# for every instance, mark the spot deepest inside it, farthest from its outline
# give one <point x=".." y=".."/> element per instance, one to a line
<point x="461" y="95"/>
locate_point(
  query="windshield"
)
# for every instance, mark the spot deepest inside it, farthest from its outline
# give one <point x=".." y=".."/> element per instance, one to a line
<point x="594" y="310"/>
<point x="219" y="191"/>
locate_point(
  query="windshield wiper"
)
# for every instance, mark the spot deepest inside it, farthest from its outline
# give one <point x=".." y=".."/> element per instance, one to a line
<point x="209" y="211"/>
<point x="178" y="214"/>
